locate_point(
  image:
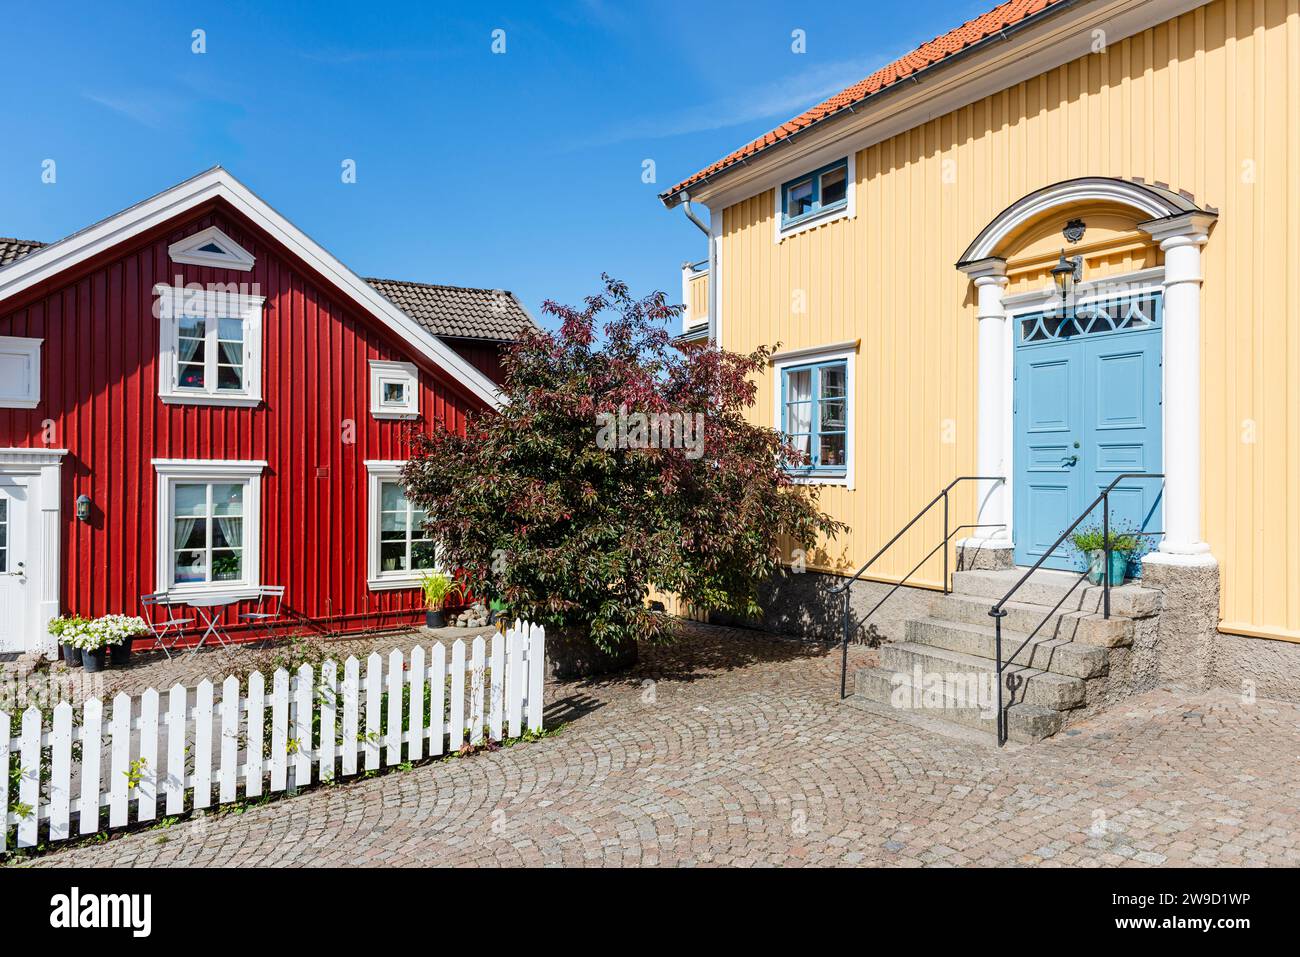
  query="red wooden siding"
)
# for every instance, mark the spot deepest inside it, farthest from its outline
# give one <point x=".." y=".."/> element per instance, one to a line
<point x="99" y="400"/>
<point x="483" y="354"/>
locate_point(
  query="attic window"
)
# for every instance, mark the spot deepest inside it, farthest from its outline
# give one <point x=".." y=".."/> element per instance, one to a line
<point x="394" y="390"/>
<point x="211" y="247"/>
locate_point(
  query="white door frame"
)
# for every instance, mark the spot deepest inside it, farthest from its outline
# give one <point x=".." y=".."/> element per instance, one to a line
<point x="1182" y="230"/>
<point x="43" y="468"/>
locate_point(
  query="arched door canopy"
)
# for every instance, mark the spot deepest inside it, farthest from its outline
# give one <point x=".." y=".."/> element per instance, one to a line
<point x="1155" y="202"/>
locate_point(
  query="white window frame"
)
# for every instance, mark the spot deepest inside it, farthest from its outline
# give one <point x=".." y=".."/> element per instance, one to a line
<point x="170" y="472"/>
<point x="848" y="210"/>
<point x="384" y="373"/>
<point x="189" y="250"/>
<point x="378" y="580"/>
<point x="210" y="304"/>
<point x="848" y="352"/>
<point x="30" y="350"/>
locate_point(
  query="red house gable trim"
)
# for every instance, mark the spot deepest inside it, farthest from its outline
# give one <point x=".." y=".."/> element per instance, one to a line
<point x="217" y="183"/>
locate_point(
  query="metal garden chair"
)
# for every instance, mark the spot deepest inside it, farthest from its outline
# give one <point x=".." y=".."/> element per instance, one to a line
<point x="268" y="612"/>
<point x="165" y="627"/>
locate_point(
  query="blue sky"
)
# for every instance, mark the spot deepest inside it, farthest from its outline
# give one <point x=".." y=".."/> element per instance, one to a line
<point x="520" y="170"/>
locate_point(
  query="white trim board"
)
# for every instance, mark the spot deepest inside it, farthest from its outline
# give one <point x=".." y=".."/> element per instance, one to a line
<point x="217" y="183"/>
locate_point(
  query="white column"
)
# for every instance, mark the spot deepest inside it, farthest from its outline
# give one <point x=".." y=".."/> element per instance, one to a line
<point x="1181" y="240"/>
<point x="49" y="536"/>
<point x="993" y="453"/>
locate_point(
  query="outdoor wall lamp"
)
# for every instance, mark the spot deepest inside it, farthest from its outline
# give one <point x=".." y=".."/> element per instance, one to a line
<point x="83" y="508"/>
<point x="1067" y="273"/>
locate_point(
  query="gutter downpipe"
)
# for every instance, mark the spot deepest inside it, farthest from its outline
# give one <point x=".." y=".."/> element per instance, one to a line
<point x="685" y="199"/>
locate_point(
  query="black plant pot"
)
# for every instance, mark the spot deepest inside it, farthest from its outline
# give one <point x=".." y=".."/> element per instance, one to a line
<point x="94" y="661"/>
<point x="121" y="654"/>
<point x="435" y="619"/>
<point x="71" y="656"/>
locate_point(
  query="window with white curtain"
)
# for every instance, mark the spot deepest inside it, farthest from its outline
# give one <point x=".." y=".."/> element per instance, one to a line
<point x="210" y="346"/>
<point x="814" y="410"/>
<point x="208" y="526"/>
<point x="400" y="548"/>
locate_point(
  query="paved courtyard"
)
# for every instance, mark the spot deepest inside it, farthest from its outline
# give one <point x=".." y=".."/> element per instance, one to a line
<point x="732" y="748"/>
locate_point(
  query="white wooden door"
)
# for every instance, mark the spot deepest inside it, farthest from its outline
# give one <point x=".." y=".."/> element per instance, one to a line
<point x="15" y="564"/>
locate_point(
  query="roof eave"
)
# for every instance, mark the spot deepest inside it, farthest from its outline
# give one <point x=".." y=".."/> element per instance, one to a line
<point x="671" y="197"/>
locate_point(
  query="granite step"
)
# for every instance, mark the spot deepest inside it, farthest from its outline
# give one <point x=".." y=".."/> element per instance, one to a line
<point x="1043" y="688"/>
<point x="893" y="691"/>
<point x="1047" y="587"/>
<point x="1057" y="655"/>
<point x="1081" y="626"/>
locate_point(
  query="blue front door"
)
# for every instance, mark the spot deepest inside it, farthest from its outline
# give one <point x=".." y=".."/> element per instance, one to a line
<point x="1087" y="408"/>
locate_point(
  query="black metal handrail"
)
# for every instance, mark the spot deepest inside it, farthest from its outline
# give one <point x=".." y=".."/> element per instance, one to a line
<point x="845" y="587"/>
<point x="998" y="611"/>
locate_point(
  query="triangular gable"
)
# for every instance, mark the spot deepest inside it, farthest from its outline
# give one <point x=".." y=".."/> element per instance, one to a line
<point x="217" y="183"/>
<point x="211" y="247"/>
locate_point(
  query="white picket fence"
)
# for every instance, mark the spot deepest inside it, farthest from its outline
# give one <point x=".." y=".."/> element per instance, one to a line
<point x="493" y="696"/>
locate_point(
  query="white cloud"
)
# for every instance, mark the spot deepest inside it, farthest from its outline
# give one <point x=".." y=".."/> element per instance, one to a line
<point x="147" y="109"/>
<point x="781" y="98"/>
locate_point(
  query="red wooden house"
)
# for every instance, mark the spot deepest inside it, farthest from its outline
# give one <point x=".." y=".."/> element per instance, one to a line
<point x="197" y="399"/>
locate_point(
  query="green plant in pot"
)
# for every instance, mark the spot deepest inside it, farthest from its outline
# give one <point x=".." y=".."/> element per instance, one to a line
<point x="438" y="588"/>
<point x="1090" y="541"/>
<point x="91" y="642"/>
<point x="63" y="629"/>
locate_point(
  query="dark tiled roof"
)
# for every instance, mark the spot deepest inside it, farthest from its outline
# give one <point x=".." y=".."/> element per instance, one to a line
<point x="457" y="311"/>
<point x="12" y="250"/>
<point x="926" y="55"/>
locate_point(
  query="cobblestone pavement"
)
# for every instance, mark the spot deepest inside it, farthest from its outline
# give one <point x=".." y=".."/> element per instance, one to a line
<point x="731" y="748"/>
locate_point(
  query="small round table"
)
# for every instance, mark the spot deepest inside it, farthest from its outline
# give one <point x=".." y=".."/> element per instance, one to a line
<point x="210" y="611"/>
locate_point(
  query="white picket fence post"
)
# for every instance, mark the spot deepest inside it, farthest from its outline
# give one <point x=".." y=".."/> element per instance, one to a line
<point x="495" y="694"/>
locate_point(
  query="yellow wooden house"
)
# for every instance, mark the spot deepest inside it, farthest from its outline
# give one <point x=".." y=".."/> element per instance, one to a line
<point x="1051" y="254"/>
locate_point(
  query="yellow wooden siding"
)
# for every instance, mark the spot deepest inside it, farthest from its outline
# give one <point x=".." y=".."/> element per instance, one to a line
<point x="1208" y="103"/>
<point x="697" y="302"/>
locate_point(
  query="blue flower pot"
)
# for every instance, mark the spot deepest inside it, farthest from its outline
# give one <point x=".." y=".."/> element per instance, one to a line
<point x="1118" y="567"/>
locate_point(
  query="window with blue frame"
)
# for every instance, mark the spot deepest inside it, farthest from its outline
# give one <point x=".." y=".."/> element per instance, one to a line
<point x="815" y="416"/>
<point x="821" y="190"/>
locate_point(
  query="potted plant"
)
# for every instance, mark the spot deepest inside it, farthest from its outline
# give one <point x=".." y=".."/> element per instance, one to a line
<point x="437" y="588"/>
<point x="92" y="642"/>
<point x="1091" y="544"/>
<point x="119" y="632"/>
<point x="63" y="629"/>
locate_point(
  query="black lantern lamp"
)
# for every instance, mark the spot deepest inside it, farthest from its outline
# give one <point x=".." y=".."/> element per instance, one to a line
<point x="83" y="508"/>
<point x="1067" y="274"/>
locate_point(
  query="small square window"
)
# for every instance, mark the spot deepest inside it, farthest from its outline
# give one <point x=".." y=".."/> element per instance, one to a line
<point x="394" y="390"/>
<point x="20" y="373"/>
<point x="821" y="191"/>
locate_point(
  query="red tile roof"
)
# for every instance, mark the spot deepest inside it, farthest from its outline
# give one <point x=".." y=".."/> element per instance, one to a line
<point x="926" y="55"/>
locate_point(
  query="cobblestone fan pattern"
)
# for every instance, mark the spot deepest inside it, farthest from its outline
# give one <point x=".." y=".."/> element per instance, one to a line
<point x="731" y="749"/>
